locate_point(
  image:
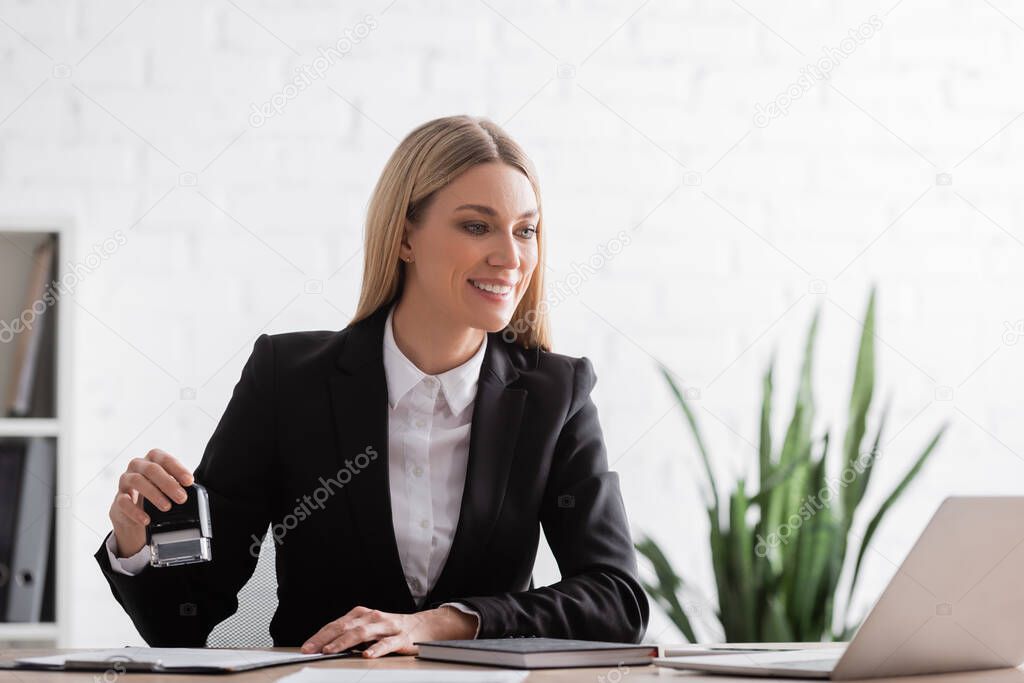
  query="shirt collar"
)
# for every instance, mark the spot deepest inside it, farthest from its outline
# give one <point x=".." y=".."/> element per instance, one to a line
<point x="458" y="385"/>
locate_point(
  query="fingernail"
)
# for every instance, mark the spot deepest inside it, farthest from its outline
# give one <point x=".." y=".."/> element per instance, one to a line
<point x="145" y="520"/>
<point x="165" y="506"/>
<point x="371" y="652"/>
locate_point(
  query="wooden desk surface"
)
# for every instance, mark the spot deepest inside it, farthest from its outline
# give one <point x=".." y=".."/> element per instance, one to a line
<point x="268" y="675"/>
<point x="634" y="674"/>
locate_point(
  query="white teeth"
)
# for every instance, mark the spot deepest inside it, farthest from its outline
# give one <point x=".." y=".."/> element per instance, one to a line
<point x="495" y="289"/>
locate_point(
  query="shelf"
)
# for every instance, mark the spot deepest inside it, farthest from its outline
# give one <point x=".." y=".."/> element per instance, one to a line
<point x="10" y="632"/>
<point x="29" y="426"/>
<point x="19" y="235"/>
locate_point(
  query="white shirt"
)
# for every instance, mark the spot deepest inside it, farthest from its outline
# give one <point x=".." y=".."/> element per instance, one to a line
<point x="429" y="419"/>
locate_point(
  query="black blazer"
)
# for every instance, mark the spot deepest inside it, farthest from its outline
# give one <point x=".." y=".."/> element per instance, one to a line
<point x="306" y="406"/>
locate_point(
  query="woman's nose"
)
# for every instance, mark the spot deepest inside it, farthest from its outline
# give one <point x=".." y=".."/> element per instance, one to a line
<point x="506" y="253"/>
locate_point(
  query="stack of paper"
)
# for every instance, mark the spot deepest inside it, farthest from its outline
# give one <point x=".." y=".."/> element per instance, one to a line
<point x="363" y="675"/>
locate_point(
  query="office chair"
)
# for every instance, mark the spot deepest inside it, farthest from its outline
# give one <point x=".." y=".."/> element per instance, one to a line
<point x="249" y="626"/>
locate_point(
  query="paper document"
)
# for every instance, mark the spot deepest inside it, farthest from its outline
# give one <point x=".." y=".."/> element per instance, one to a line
<point x="168" y="659"/>
<point x="727" y="649"/>
<point x="382" y="674"/>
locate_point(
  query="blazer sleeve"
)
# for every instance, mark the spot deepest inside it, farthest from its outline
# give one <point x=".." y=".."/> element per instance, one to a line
<point x="179" y="606"/>
<point x="584" y="521"/>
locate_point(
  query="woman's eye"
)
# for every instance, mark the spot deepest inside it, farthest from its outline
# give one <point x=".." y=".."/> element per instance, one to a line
<point x="480" y="228"/>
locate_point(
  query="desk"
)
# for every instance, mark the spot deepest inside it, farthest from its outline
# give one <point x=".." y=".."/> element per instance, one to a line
<point x="635" y="674"/>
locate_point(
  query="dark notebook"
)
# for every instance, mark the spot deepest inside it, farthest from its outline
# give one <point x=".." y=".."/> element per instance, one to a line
<point x="537" y="653"/>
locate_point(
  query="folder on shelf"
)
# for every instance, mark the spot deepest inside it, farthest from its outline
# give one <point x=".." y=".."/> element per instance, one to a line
<point x="30" y="391"/>
<point x="170" y="660"/>
<point x="27" y="484"/>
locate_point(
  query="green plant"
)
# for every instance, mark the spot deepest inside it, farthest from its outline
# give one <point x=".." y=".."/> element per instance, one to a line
<point x="782" y="587"/>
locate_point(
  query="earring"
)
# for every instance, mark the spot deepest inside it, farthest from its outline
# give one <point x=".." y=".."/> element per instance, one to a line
<point x="408" y="259"/>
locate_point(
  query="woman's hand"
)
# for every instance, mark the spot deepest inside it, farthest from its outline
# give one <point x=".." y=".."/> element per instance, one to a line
<point x="390" y="632"/>
<point x="159" y="478"/>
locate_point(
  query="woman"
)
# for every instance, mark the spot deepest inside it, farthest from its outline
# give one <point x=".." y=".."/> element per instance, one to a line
<point x="406" y="463"/>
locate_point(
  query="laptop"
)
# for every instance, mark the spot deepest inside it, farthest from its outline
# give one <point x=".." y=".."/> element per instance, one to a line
<point x="955" y="604"/>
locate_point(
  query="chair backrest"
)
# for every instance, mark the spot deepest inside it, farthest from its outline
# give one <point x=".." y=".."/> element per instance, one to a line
<point x="249" y="626"/>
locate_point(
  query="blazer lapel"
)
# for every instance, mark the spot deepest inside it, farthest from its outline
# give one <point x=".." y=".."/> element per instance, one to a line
<point x="360" y="407"/>
<point x="497" y="413"/>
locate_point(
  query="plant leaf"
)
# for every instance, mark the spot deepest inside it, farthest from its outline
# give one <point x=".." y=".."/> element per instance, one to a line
<point x="741" y="560"/>
<point x="764" y="447"/>
<point x="860" y="401"/>
<point x="812" y="553"/>
<point x="666" y="590"/>
<point x="775" y="628"/>
<point x="796" y="447"/>
<point x="888" y="503"/>
<point x="859" y="486"/>
<point x="696" y="434"/>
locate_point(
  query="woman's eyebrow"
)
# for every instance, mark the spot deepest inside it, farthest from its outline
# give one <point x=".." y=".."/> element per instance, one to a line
<point x="491" y="212"/>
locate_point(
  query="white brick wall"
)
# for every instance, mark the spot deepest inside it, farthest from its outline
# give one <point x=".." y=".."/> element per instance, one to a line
<point x="715" y="279"/>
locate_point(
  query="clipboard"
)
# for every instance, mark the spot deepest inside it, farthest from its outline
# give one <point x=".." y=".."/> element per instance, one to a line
<point x="168" y="660"/>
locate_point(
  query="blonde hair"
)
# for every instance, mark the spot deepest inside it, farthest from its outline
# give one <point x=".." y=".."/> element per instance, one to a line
<point x="424" y="162"/>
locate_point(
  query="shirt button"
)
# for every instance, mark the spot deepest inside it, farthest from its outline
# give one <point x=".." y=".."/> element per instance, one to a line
<point x="418" y="471"/>
<point x="415" y="583"/>
<point x="420" y="423"/>
<point x="424" y="523"/>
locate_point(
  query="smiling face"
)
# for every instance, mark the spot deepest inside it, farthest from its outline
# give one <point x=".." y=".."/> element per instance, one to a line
<point x="474" y="249"/>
